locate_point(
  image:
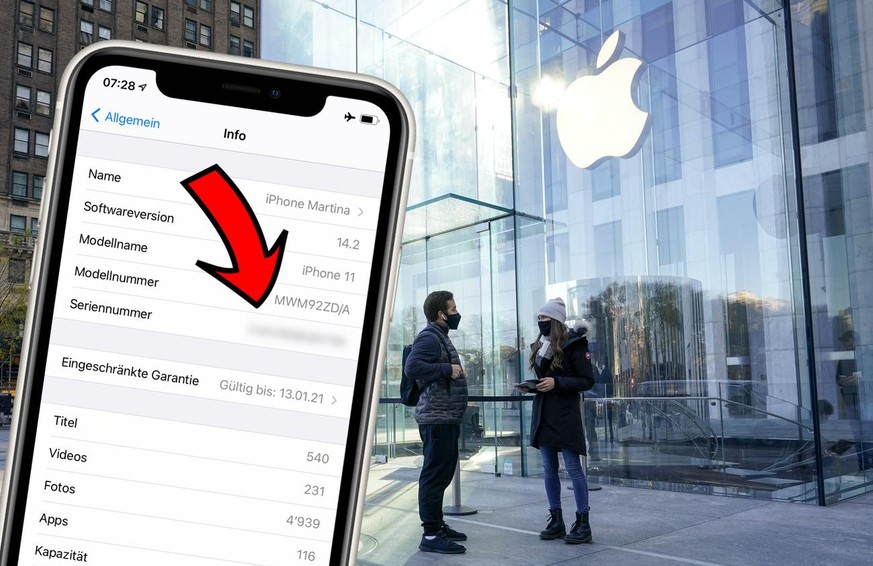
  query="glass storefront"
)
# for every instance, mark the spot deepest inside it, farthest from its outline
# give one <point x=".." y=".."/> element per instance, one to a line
<point x="721" y="253"/>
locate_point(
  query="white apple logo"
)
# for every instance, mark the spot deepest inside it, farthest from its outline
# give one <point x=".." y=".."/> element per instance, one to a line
<point x="597" y="117"/>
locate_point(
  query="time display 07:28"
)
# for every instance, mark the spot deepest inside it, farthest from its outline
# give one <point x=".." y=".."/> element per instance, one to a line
<point x="123" y="84"/>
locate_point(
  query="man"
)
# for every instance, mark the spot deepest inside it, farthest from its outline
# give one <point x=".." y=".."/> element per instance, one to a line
<point x="435" y="364"/>
<point x="606" y="388"/>
<point x="847" y="380"/>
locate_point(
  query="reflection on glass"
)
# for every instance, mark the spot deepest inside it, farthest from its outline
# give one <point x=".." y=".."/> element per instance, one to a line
<point x="686" y="258"/>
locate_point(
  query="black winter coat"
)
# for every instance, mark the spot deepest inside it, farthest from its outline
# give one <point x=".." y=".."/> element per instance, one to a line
<point x="443" y="399"/>
<point x="556" y="418"/>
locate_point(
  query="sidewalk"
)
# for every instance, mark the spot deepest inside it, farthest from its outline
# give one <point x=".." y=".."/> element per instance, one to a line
<point x="630" y="525"/>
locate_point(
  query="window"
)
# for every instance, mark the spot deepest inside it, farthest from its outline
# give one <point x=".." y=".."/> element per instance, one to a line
<point x="234" y="48"/>
<point x="17" y="223"/>
<point x="157" y="18"/>
<point x="43" y="102"/>
<point x="21" y="143"/>
<point x="728" y="82"/>
<point x="605" y="180"/>
<point x="25" y="55"/>
<point x="34" y="226"/>
<point x="38" y="183"/>
<point x="191" y="2"/>
<point x="86" y="32"/>
<point x="26" y="10"/>
<point x="609" y="252"/>
<point x="248" y="16"/>
<point x="248" y="48"/>
<point x="16" y="270"/>
<point x="558" y="257"/>
<point x="41" y="144"/>
<point x="45" y="61"/>
<point x="235" y="9"/>
<point x="104" y="33"/>
<point x="106" y="5"/>
<point x="141" y="11"/>
<point x="46" y="19"/>
<point x="22" y="98"/>
<point x="88" y="3"/>
<point x="190" y="30"/>
<point x="205" y="35"/>
<point x="19" y="184"/>
<point x="659" y="50"/>
<point x="670" y="227"/>
<point x="206" y="4"/>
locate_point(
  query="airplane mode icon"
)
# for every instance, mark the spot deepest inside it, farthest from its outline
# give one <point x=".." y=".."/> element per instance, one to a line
<point x="349" y="117"/>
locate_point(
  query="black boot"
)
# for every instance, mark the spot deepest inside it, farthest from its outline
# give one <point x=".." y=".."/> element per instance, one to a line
<point x="581" y="531"/>
<point x="555" y="528"/>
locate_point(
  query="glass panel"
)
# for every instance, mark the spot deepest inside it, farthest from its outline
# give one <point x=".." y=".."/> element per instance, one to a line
<point x="685" y="255"/>
<point x="234" y="46"/>
<point x="205" y="35"/>
<point x="446" y="213"/>
<point x="190" y="30"/>
<point x="477" y="265"/>
<point x="838" y="208"/>
<point x="678" y="259"/>
<point x="46" y="19"/>
<point x="305" y="33"/>
<point x="157" y="20"/>
<point x="25" y="55"/>
<point x="21" y="142"/>
<point x="40" y="144"/>
<point x="38" y="182"/>
<point x="46" y="60"/>
<point x="22" y="98"/>
<point x="141" y="10"/>
<point x="26" y="11"/>
<point x="17" y="223"/>
<point x="19" y="184"/>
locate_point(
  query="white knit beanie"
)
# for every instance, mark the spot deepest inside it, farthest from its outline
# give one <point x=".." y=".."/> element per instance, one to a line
<point x="554" y="309"/>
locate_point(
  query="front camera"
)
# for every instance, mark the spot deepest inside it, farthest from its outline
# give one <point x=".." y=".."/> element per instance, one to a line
<point x="275" y="92"/>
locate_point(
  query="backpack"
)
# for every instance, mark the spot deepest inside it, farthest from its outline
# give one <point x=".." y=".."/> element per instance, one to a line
<point x="409" y="389"/>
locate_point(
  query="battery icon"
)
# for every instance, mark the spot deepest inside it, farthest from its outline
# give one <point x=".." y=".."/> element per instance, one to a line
<point x="368" y="119"/>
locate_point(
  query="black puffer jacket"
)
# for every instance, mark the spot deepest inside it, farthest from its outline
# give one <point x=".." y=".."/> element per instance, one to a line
<point x="556" y="419"/>
<point x="443" y="399"/>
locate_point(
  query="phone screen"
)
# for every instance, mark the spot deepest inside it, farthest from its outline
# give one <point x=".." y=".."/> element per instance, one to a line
<point x="202" y="354"/>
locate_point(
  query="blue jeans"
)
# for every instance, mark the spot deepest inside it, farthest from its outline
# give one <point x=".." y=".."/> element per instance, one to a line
<point x="573" y="466"/>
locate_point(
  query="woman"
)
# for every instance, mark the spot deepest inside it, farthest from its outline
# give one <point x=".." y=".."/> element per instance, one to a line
<point x="562" y="363"/>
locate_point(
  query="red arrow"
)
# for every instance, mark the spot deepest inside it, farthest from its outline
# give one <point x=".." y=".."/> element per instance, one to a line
<point x="255" y="268"/>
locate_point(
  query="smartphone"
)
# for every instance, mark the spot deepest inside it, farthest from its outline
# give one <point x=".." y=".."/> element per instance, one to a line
<point x="213" y="280"/>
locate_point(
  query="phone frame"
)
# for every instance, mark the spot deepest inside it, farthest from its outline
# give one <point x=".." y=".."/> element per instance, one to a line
<point x="53" y="216"/>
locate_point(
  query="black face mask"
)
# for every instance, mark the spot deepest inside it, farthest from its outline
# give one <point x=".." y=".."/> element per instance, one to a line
<point x="453" y="320"/>
<point x="545" y="327"/>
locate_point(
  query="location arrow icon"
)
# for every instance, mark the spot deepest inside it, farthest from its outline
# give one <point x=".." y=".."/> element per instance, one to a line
<point x="254" y="268"/>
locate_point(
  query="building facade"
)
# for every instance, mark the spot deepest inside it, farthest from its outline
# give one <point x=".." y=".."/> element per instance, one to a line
<point x="723" y="266"/>
<point x="37" y="40"/>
